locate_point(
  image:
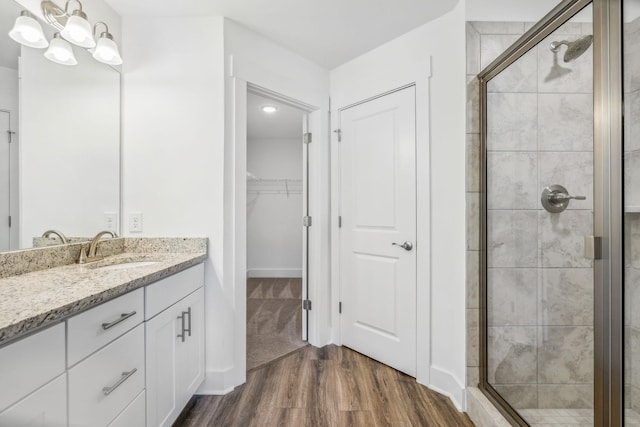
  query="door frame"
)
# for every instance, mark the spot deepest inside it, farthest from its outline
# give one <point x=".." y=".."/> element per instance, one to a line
<point x="419" y="75"/>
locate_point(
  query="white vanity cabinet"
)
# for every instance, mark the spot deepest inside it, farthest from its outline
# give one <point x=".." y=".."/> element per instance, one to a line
<point x="174" y="346"/>
<point x="34" y="382"/>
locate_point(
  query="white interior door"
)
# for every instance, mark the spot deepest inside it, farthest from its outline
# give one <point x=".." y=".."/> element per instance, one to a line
<point x="5" y="181"/>
<point x="378" y="211"/>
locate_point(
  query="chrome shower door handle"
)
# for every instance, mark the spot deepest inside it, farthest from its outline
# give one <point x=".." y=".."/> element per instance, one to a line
<point x="407" y="246"/>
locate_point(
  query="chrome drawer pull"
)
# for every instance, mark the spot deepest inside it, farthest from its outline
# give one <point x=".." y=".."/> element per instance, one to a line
<point x="125" y="376"/>
<point x="123" y="317"/>
<point x="189" y="328"/>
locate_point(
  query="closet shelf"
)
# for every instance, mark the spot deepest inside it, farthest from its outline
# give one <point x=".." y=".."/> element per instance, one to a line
<point x="274" y="186"/>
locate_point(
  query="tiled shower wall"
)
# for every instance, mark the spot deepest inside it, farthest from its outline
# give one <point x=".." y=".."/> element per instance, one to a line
<point x="540" y="299"/>
<point x="632" y="209"/>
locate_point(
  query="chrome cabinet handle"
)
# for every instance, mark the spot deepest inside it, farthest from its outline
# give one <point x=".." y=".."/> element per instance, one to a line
<point x="182" y="319"/>
<point x="122" y="318"/>
<point x="189" y="313"/>
<point x="125" y="376"/>
<point x="407" y="246"/>
<point x="555" y="198"/>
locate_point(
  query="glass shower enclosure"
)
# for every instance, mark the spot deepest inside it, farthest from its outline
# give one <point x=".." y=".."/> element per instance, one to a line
<point x="560" y="219"/>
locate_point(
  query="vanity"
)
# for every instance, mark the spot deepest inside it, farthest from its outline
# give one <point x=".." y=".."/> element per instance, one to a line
<point x="118" y="342"/>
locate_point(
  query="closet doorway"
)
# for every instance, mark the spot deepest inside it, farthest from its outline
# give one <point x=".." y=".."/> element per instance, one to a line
<point x="277" y="201"/>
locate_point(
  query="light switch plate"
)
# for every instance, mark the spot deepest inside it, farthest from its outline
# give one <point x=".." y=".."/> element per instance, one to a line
<point x="135" y="222"/>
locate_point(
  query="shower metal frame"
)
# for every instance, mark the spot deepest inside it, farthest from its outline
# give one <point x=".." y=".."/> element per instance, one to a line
<point x="607" y="209"/>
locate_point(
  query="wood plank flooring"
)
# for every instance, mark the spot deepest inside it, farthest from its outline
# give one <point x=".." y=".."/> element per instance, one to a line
<point x="330" y="386"/>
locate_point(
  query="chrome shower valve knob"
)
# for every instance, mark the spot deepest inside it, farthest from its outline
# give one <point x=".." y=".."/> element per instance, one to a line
<point x="555" y="198"/>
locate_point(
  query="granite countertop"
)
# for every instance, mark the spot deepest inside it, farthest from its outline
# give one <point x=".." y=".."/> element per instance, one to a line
<point x="34" y="300"/>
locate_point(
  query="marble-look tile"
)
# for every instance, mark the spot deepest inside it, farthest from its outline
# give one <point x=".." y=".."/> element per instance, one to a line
<point x="512" y="354"/>
<point x="632" y="297"/>
<point x="628" y="363"/>
<point x="520" y="76"/>
<point x="473" y="105"/>
<point x="565" y="354"/>
<point x="492" y="46"/>
<point x="574" y="171"/>
<point x="632" y="121"/>
<point x="562" y="238"/>
<point x="473" y="50"/>
<point x="566" y="297"/>
<point x="512" y="239"/>
<point x="631" y="58"/>
<point x="634" y="338"/>
<point x="565" y="396"/>
<point x="489" y="27"/>
<point x="519" y="396"/>
<point x="473" y="162"/>
<point x="512" y="180"/>
<point x="473" y="376"/>
<point x="482" y="412"/>
<point x="473" y="279"/>
<point x="557" y="76"/>
<point x="512" y="122"/>
<point x="565" y="122"/>
<point x="632" y="240"/>
<point x="473" y="221"/>
<point x="511" y="296"/>
<point x="635" y="398"/>
<point x="632" y="178"/>
<point x="473" y="337"/>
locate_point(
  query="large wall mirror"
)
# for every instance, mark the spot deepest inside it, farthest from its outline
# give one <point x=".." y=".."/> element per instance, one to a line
<point x="60" y="138"/>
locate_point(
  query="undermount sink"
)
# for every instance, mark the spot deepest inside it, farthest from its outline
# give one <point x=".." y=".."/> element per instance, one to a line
<point x="126" y="265"/>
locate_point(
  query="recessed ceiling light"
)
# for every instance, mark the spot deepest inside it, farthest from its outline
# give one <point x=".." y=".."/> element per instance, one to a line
<point x="269" y="109"/>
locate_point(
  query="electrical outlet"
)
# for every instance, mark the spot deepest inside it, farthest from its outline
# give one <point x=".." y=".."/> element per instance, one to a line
<point x="135" y="222"/>
<point x="110" y="221"/>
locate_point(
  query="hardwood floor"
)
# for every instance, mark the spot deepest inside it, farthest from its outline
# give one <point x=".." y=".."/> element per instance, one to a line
<point x="331" y="386"/>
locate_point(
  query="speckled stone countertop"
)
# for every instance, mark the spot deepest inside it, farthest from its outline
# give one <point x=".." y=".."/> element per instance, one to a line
<point x="37" y="299"/>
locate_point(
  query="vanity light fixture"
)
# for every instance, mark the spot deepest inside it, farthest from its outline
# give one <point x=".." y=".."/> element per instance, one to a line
<point x="28" y="31"/>
<point x="269" y="109"/>
<point x="60" y="51"/>
<point x="78" y="30"/>
<point x="106" y="50"/>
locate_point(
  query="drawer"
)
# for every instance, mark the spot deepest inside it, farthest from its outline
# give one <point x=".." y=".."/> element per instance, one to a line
<point x="101" y="386"/>
<point x="97" y="327"/>
<point x="30" y="363"/>
<point x="46" y="407"/>
<point x="168" y="291"/>
<point x="133" y="415"/>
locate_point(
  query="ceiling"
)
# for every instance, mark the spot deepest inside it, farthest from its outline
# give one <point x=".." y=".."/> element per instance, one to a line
<point x="328" y="32"/>
<point x="284" y="123"/>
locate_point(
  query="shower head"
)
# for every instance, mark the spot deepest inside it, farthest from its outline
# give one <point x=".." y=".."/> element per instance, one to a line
<point x="574" y="48"/>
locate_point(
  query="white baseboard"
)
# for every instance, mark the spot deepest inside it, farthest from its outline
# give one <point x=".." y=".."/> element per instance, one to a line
<point x="445" y="382"/>
<point x="274" y="272"/>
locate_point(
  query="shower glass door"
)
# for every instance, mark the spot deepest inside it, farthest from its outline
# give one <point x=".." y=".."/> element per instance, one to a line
<point x="631" y="168"/>
<point x="538" y="207"/>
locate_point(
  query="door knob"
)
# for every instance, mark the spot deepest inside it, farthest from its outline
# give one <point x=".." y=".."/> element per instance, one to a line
<point x="407" y="246"/>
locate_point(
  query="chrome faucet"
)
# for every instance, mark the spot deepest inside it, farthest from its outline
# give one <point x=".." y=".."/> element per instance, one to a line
<point x="61" y="236"/>
<point x="93" y="247"/>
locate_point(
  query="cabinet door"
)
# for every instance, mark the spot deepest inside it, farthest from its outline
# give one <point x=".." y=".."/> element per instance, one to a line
<point x="190" y="356"/>
<point x="162" y="342"/>
<point x="46" y="407"/>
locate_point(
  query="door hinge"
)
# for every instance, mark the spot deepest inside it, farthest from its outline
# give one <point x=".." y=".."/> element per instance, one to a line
<point x="308" y="137"/>
<point x="339" y="133"/>
<point x="306" y="304"/>
<point x="306" y="221"/>
<point x="340" y="307"/>
<point x="9" y="220"/>
<point x="339" y="222"/>
<point x="593" y="247"/>
<point x="10" y="133"/>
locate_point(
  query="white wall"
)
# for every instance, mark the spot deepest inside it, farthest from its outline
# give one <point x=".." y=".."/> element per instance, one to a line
<point x="69" y="145"/>
<point x="274" y="221"/>
<point x="392" y="65"/>
<point x="9" y="102"/>
<point x="173" y="152"/>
